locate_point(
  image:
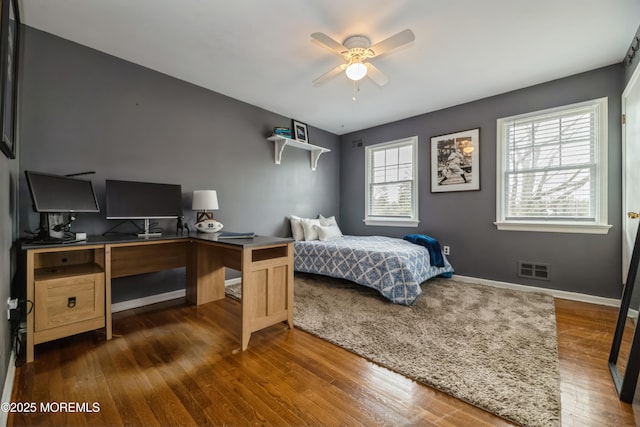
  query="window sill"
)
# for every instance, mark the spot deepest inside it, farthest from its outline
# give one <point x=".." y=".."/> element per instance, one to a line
<point x="392" y="222"/>
<point x="544" y="227"/>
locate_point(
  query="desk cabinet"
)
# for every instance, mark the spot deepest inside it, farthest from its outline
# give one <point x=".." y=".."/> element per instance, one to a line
<point x="67" y="289"/>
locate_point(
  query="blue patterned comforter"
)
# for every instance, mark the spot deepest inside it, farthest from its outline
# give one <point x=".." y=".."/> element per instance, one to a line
<point x="394" y="267"/>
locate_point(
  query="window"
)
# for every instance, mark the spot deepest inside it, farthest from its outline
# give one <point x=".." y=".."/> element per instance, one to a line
<point x="392" y="183"/>
<point x="552" y="170"/>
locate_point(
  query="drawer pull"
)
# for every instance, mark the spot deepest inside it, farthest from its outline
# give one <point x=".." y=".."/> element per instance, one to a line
<point x="71" y="302"/>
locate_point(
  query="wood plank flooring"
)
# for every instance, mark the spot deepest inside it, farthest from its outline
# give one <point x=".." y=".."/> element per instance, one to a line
<point x="173" y="364"/>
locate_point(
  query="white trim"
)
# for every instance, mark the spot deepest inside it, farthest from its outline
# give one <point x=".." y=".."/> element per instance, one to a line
<point x="587" y="228"/>
<point x="154" y="299"/>
<point x="393" y="221"/>
<point x="573" y="296"/>
<point x="8" y="387"/>
<point x="626" y="250"/>
<point x="600" y="225"/>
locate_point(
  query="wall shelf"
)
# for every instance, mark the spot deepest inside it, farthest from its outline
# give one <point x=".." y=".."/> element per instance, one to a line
<point x="280" y="142"/>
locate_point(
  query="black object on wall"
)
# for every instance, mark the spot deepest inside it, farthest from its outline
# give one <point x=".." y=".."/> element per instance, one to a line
<point x="9" y="67"/>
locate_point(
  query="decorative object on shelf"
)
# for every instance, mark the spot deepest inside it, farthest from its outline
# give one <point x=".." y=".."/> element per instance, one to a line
<point x="9" y="33"/>
<point x="282" y="131"/>
<point x="300" y="133"/>
<point x="281" y="142"/>
<point x="182" y="226"/>
<point x="204" y="201"/>
<point x="455" y="164"/>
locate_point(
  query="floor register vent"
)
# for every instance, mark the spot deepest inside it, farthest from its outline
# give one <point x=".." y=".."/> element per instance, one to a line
<point x="534" y="270"/>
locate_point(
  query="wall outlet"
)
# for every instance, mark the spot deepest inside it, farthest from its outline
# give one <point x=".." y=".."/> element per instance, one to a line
<point x="12" y="304"/>
<point x="446" y="250"/>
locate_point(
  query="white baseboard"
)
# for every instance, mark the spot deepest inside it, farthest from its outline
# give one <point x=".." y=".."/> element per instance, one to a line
<point x="154" y="299"/>
<point x="573" y="296"/>
<point x="8" y="387"/>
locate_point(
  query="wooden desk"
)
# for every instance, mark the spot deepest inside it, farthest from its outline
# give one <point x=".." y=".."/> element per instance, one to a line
<point x="70" y="285"/>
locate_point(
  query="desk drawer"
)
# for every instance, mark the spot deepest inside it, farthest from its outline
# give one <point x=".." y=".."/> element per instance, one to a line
<point x="65" y="301"/>
<point x="132" y="259"/>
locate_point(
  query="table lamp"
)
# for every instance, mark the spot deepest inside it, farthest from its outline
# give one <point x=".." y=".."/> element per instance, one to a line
<point x="203" y="202"/>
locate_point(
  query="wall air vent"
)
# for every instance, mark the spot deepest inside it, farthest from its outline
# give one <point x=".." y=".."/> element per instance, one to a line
<point x="534" y="270"/>
<point x="357" y="143"/>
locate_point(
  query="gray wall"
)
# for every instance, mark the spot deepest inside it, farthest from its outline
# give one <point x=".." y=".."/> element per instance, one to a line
<point x="85" y="110"/>
<point x="581" y="263"/>
<point x="9" y="250"/>
<point x="8" y="234"/>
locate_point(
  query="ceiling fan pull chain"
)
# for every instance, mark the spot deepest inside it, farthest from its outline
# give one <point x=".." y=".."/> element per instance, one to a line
<point x="356" y="89"/>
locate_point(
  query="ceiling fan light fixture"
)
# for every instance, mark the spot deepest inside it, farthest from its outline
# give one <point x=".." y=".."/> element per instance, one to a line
<point x="356" y="70"/>
<point x="356" y="49"/>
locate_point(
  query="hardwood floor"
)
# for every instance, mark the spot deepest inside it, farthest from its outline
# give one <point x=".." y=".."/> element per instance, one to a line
<point x="173" y="364"/>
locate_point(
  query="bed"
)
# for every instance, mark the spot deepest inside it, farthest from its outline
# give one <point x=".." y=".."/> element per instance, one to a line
<point x="394" y="267"/>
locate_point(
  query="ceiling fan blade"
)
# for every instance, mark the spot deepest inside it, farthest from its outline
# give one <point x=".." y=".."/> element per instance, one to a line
<point x="329" y="43"/>
<point x="376" y="75"/>
<point x="329" y="75"/>
<point x="403" y="37"/>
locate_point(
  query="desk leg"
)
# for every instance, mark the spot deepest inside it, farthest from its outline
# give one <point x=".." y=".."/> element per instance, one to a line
<point x="290" y="285"/>
<point x="248" y="298"/>
<point x="107" y="293"/>
<point x="267" y="289"/>
<point x="205" y="274"/>
<point x="30" y="297"/>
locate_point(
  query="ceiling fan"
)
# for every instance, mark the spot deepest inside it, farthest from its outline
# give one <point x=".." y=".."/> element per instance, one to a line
<point x="356" y="50"/>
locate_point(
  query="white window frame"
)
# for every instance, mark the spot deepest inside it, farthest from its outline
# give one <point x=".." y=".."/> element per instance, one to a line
<point x="411" y="221"/>
<point x="599" y="224"/>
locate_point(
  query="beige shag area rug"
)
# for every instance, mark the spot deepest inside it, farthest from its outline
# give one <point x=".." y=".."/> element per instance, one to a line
<point x="494" y="348"/>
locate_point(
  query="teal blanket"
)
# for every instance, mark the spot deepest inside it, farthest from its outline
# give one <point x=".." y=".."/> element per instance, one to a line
<point x="432" y="245"/>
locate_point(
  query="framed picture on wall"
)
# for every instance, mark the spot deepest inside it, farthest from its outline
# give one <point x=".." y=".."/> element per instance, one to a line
<point x="300" y="133"/>
<point x="455" y="164"/>
<point x="9" y="29"/>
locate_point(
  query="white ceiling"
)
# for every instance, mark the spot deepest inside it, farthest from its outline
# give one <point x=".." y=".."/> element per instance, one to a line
<point x="260" y="51"/>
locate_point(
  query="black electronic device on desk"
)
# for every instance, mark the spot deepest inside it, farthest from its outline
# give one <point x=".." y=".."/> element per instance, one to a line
<point x="58" y="199"/>
<point x="235" y="235"/>
<point x="144" y="201"/>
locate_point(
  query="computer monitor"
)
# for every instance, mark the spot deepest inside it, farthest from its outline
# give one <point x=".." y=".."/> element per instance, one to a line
<point x="61" y="194"/>
<point x="55" y="195"/>
<point x="143" y="200"/>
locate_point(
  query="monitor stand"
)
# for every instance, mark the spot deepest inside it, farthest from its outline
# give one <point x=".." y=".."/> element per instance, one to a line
<point x="146" y="232"/>
<point x="47" y="222"/>
<point x="47" y="235"/>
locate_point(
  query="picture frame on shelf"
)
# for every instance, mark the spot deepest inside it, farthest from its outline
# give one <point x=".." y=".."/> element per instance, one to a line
<point x="300" y="132"/>
<point x="9" y="47"/>
<point x="455" y="162"/>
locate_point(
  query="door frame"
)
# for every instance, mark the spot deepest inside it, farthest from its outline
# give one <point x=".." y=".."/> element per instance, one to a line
<point x="626" y="251"/>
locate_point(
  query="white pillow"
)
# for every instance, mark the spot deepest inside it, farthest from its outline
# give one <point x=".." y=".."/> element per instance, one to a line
<point x="327" y="221"/>
<point x="330" y="222"/>
<point x="328" y="232"/>
<point x="307" y="225"/>
<point x="296" y="227"/>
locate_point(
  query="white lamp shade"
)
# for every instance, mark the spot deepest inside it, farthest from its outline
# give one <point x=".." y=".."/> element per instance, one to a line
<point x="204" y="200"/>
<point x="356" y="71"/>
